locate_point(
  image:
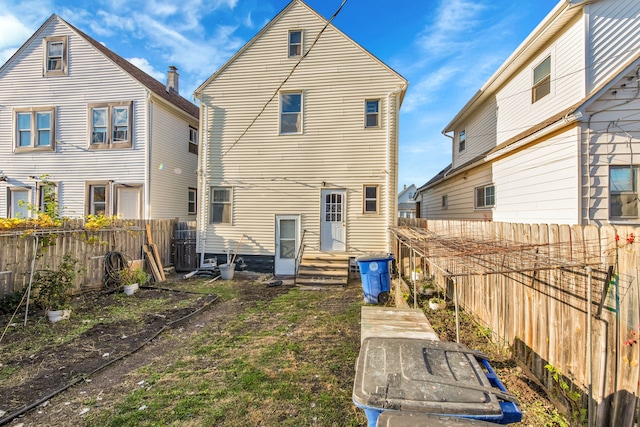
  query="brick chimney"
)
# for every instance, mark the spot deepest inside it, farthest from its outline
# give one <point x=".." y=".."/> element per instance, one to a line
<point x="172" y="80"/>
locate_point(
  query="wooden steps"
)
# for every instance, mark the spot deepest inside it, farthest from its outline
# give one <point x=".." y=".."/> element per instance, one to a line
<point x="323" y="269"/>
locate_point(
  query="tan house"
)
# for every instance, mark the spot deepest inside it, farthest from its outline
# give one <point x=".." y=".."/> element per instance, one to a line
<point x="299" y="148"/>
<point x="110" y="138"/>
<point x="551" y="136"/>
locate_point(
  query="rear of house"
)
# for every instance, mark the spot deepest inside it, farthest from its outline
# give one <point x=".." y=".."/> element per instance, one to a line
<point x="105" y="137"/>
<point x="299" y="146"/>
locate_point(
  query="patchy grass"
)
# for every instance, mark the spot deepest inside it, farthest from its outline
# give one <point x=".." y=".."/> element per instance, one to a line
<point x="278" y="362"/>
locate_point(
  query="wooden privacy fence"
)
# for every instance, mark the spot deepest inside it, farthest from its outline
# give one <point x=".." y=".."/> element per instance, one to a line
<point x="18" y="249"/>
<point x="569" y="305"/>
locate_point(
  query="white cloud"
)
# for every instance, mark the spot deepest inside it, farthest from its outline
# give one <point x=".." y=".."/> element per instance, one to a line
<point x="13" y="32"/>
<point x="454" y="22"/>
<point x="426" y="90"/>
<point x="145" y="66"/>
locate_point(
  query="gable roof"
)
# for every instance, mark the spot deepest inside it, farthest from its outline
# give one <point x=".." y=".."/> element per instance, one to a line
<point x="272" y="22"/>
<point x="145" y="79"/>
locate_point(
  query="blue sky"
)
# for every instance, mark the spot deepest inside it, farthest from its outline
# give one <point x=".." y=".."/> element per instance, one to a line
<point x="446" y="49"/>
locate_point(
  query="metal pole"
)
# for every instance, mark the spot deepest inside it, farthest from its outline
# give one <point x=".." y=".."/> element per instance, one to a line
<point x="33" y="266"/>
<point x="455" y="301"/>
<point x="589" y="350"/>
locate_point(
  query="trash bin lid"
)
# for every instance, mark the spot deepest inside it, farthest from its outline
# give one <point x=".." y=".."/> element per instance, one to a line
<point x="374" y="257"/>
<point x="423" y="376"/>
<point x="412" y="419"/>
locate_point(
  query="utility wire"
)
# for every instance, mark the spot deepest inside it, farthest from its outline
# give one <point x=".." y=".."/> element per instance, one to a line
<point x="275" y="93"/>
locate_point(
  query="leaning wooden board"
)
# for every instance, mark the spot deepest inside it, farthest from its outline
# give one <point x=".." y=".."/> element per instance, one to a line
<point x="152" y="263"/>
<point x="156" y="255"/>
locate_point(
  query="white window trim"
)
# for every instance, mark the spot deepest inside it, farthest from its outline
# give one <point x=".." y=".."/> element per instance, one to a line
<point x="537" y="85"/>
<point x="484" y="188"/>
<point x="367" y="114"/>
<point x="34" y="131"/>
<point x="230" y="203"/>
<point x="109" y="144"/>
<point x="10" y="200"/>
<point x="289" y="44"/>
<point x="365" y="199"/>
<point x="45" y="56"/>
<point x="462" y="141"/>
<point x="301" y="113"/>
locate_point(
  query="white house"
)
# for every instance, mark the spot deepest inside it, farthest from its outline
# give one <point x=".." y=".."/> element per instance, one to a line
<point x="551" y="136"/>
<point x="299" y="144"/>
<point x="406" y="204"/>
<point x="111" y="138"/>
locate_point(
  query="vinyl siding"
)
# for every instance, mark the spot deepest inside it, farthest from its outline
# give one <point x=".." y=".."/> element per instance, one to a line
<point x="614" y="28"/>
<point x="173" y="169"/>
<point x="539" y="184"/>
<point x="613" y="139"/>
<point x="459" y="190"/>
<point x="480" y="133"/>
<point x="284" y="174"/>
<point x="516" y="112"/>
<point x="91" y="79"/>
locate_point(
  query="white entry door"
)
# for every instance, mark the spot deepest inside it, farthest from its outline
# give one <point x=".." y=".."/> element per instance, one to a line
<point x="332" y="223"/>
<point x="287" y="242"/>
<point x="129" y="202"/>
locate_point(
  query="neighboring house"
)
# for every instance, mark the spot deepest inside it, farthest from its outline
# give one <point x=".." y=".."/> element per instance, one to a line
<point x="112" y="139"/>
<point x="406" y="204"/>
<point x="551" y="136"/>
<point x="300" y="142"/>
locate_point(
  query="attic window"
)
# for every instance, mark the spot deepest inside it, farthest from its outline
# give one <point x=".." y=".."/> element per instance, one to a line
<point x="55" y="56"/>
<point x="462" y="141"/>
<point x="295" y="43"/>
<point x="541" y="80"/>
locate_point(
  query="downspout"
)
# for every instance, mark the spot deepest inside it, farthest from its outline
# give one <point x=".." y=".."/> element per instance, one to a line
<point x="452" y="151"/>
<point x="147" y="159"/>
<point x="390" y="194"/>
<point x="203" y="156"/>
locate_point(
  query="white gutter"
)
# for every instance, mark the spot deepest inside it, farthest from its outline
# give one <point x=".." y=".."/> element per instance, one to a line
<point x="390" y="194"/>
<point x="569" y="118"/>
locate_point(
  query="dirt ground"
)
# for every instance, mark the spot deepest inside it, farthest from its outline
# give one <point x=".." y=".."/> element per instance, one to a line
<point x="55" y="366"/>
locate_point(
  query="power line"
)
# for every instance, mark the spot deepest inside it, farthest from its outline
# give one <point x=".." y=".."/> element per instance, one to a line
<point x="275" y="93"/>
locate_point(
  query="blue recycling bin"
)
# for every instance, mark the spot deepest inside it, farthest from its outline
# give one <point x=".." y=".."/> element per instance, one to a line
<point x="375" y="276"/>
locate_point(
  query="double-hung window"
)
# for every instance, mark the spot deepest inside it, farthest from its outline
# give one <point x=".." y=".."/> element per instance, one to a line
<point x="193" y="140"/>
<point x="98" y="198"/>
<point x="19" y="202"/>
<point x="541" y="80"/>
<point x="445" y="202"/>
<point x="192" y="204"/>
<point x="220" y="205"/>
<point x="110" y="125"/>
<point x="372" y="113"/>
<point x="370" y="201"/>
<point x="55" y="56"/>
<point x="291" y="112"/>
<point x="623" y="193"/>
<point x="34" y="129"/>
<point x="462" y="141"/>
<point x="48" y="197"/>
<point x="485" y="197"/>
<point x="295" y="43"/>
